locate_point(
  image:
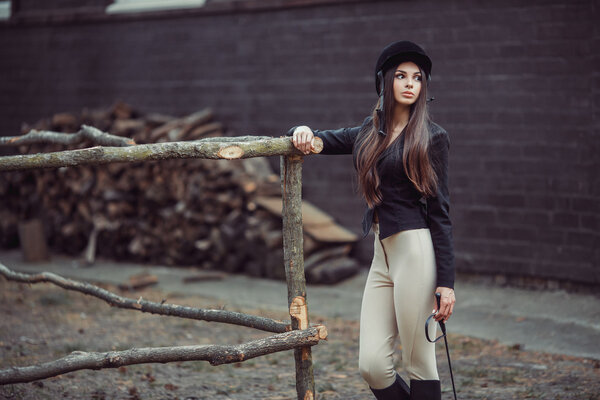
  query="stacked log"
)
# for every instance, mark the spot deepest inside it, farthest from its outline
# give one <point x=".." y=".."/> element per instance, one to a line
<point x="175" y="212"/>
<point x="326" y="244"/>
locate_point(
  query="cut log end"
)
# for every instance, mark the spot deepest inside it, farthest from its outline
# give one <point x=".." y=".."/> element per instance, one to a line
<point x="322" y="332"/>
<point x="318" y="145"/>
<point x="231" y="152"/>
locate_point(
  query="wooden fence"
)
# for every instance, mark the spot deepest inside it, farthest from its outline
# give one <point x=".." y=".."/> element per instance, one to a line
<point x="298" y="335"/>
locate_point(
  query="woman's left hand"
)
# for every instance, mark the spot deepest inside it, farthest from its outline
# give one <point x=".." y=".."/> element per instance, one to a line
<point x="446" y="304"/>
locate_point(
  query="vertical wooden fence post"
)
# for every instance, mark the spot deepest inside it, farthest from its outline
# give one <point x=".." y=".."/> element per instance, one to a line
<point x="293" y="256"/>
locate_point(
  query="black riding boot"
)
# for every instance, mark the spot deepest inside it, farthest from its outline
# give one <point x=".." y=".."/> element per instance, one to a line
<point x="396" y="391"/>
<point x="425" y="390"/>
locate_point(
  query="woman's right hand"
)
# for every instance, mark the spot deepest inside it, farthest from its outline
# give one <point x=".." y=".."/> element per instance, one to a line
<point x="303" y="139"/>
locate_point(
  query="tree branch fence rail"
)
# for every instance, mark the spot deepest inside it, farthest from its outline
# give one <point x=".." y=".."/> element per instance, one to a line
<point x="298" y="335"/>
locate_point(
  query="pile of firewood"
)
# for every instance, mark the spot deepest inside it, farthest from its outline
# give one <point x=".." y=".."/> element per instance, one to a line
<point x="205" y="213"/>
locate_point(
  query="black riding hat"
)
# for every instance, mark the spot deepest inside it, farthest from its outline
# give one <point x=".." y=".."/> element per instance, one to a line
<point x="392" y="55"/>
<point x="398" y="52"/>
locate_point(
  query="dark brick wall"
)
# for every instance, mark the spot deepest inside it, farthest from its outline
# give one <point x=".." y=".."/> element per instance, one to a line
<point x="516" y="85"/>
<point x="591" y="222"/>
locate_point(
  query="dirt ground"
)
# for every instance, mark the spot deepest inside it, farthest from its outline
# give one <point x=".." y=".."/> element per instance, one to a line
<point x="43" y="322"/>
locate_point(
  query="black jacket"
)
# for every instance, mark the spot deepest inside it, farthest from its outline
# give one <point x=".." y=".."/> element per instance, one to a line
<point x="403" y="207"/>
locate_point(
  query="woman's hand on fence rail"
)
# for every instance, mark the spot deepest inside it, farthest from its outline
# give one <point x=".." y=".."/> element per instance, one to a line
<point x="303" y="139"/>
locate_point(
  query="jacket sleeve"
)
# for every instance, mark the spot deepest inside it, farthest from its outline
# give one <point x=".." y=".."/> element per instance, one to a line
<point x="337" y="141"/>
<point x="438" y="209"/>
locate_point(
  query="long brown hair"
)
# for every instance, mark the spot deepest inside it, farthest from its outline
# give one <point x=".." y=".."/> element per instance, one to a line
<point x="415" y="158"/>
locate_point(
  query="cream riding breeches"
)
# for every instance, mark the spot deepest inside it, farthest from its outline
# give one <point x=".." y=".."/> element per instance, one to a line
<point x="398" y="298"/>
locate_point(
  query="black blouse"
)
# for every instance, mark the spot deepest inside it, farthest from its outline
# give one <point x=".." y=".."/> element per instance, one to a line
<point x="403" y="207"/>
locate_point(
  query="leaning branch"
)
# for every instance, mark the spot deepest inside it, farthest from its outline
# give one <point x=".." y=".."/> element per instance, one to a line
<point x="85" y="132"/>
<point x="230" y="317"/>
<point x="215" y="354"/>
<point x="224" y="148"/>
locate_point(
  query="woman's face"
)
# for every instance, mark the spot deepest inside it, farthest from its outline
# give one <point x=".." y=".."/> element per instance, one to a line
<point x="407" y="83"/>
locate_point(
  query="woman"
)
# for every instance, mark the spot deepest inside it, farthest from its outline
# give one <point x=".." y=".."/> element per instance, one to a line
<point x="401" y="159"/>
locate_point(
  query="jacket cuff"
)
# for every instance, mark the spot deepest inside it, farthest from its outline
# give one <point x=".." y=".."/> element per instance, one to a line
<point x="443" y="283"/>
<point x="291" y="131"/>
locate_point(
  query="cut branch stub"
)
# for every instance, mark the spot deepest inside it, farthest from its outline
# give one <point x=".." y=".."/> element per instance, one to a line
<point x="231" y="152"/>
<point x="299" y="311"/>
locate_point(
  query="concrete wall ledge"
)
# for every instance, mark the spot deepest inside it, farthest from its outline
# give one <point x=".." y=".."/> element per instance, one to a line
<point x="127" y="6"/>
<point x="127" y="12"/>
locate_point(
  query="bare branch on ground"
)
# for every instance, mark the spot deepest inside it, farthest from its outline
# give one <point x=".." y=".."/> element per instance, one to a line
<point x="230" y="317"/>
